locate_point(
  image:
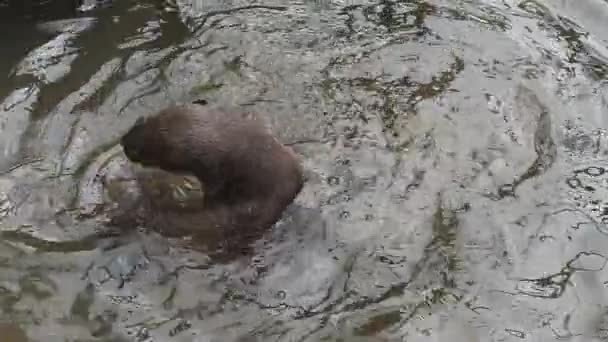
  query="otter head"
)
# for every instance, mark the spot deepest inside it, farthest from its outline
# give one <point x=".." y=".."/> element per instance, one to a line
<point x="135" y="143"/>
<point x="150" y="142"/>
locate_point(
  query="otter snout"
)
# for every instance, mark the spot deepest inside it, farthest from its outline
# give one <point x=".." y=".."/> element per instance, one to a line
<point x="134" y="141"/>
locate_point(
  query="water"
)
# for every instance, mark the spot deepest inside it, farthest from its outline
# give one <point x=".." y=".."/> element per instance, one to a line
<point x="455" y="155"/>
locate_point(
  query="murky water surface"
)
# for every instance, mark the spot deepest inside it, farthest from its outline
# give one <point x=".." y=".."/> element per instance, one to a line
<point x="456" y="157"/>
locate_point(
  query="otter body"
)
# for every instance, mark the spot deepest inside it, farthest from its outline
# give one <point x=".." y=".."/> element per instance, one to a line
<point x="249" y="177"/>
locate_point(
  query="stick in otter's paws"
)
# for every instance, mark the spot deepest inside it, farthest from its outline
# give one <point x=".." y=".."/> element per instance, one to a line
<point x="241" y="165"/>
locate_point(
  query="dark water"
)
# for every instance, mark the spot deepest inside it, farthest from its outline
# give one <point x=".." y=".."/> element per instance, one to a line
<point x="456" y="158"/>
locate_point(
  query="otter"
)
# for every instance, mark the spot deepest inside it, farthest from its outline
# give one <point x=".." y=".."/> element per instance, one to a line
<point x="249" y="177"/>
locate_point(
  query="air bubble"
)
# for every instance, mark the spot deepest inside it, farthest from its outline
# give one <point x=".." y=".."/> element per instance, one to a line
<point x="594" y="171"/>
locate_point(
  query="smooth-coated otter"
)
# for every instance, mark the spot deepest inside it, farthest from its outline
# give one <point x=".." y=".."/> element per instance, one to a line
<point x="249" y="177"/>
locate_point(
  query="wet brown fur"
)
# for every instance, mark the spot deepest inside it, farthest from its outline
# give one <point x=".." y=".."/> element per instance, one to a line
<point x="249" y="177"/>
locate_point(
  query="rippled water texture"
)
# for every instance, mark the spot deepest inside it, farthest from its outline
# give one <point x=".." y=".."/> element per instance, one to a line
<point x="456" y="158"/>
